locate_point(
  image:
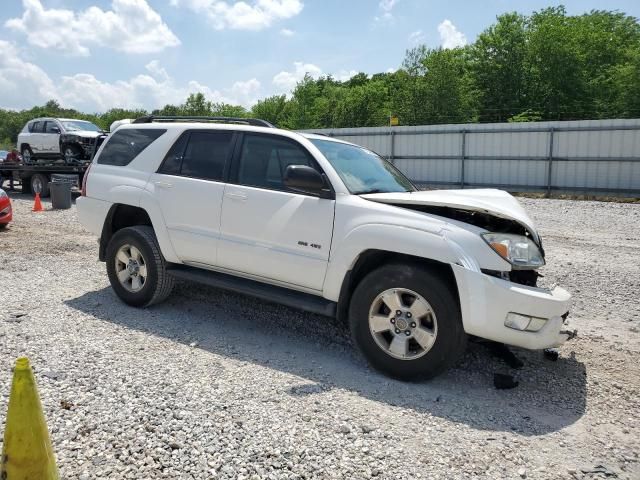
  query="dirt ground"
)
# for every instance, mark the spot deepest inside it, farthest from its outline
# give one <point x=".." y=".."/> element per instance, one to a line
<point x="216" y="385"/>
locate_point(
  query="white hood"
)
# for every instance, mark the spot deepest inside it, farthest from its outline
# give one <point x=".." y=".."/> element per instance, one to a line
<point x="491" y="201"/>
<point x="84" y="133"/>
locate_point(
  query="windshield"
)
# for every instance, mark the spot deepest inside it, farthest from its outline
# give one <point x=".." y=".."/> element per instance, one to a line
<point x="75" y="125"/>
<point x="361" y="170"/>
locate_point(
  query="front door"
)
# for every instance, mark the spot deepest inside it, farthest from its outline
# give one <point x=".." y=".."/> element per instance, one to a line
<point x="189" y="187"/>
<point x="51" y="138"/>
<point x="266" y="229"/>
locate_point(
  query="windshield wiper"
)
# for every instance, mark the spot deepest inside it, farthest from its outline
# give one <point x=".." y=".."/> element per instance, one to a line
<point x="373" y="190"/>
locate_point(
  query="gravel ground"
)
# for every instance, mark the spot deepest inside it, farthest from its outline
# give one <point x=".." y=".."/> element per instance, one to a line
<point x="215" y="385"/>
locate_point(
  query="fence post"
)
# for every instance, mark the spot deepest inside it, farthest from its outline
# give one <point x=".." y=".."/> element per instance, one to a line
<point x="392" y="147"/>
<point x="550" y="161"/>
<point x="463" y="155"/>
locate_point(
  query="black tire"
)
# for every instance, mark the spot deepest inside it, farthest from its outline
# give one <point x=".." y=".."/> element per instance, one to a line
<point x="71" y="154"/>
<point x="450" y="340"/>
<point x="40" y="182"/>
<point x="27" y="155"/>
<point x="158" y="284"/>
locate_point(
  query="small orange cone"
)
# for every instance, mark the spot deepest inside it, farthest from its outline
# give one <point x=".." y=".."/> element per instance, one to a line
<point x="37" y="206"/>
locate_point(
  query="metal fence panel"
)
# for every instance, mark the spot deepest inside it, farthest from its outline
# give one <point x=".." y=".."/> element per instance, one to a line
<point x="587" y="156"/>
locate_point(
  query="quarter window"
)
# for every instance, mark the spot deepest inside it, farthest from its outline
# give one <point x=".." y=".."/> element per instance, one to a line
<point x="126" y="144"/>
<point x="264" y="160"/>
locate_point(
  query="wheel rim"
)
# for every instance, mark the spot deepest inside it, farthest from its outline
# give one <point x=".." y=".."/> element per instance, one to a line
<point x="131" y="268"/>
<point x="26" y="156"/>
<point x="36" y="185"/>
<point x="69" y="154"/>
<point x="403" y="324"/>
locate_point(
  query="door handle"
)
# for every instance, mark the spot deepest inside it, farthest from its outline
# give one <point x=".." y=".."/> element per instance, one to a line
<point x="236" y="196"/>
<point x="163" y="184"/>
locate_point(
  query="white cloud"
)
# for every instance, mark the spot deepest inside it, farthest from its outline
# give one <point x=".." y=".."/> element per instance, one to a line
<point x="344" y="75"/>
<point x="240" y="15"/>
<point x="23" y="85"/>
<point x="245" y="93"/>
<point x="131" y="26"/>
<point x="417" y="38"/>
<point x="286" y="81"/>
<point x="450" y="36"/>
<point x="21" y="80"/>
<point x="287" y="33"/>
<point x="385" y="10"/>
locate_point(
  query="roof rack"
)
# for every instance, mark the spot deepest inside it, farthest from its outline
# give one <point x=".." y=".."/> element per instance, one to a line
<point x="256" y="122"/>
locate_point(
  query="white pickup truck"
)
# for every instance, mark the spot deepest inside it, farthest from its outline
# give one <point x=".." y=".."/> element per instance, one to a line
<point x="323" y="225"/>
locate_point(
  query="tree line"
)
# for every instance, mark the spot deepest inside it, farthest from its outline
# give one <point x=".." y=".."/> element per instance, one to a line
<point x="543" y="66"/>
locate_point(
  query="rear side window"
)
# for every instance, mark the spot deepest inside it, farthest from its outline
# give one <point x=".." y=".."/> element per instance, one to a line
<point x="35" y="127"/>
<point x="126" y="144"/>
<point x="199" y="155"/>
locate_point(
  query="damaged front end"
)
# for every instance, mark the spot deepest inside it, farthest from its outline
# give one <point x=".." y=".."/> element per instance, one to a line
<point x="500" y="298"/>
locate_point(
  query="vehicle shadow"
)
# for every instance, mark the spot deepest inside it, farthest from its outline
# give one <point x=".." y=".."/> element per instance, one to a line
<point x="551" y="395"/>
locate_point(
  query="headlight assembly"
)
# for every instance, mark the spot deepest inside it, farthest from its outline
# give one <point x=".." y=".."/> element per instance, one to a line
<point x="518" y="250"/>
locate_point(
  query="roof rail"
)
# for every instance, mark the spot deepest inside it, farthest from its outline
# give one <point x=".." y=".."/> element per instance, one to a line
<point x="256" y="122"/>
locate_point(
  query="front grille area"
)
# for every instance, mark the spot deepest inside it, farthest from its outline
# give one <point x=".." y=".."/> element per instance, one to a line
<point x="528" y="278"/>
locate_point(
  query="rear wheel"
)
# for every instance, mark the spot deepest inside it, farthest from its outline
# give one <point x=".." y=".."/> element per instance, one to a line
<point x="136" y="268"/>
<point x="40" y="183"/>
<point x="407" y="322"/>
<point x="27" y="155"/>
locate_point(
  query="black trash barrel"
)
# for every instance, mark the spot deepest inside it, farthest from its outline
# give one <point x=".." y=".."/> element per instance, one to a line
<point x="60" y="193"/>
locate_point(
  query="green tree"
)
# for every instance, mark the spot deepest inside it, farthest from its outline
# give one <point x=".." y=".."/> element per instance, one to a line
<point x="499" y="68"/>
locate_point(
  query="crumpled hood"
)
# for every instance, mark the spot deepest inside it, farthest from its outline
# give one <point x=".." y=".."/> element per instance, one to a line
<point x="85" y="133"/>
<point x="488" y="200"/>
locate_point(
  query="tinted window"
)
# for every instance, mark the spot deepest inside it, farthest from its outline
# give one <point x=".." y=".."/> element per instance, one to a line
<point x="206" y="154"/>
<point x="126" y="144"/>
<point x="50" y="126"/>
<point x="35" y="127"/>
<point x="264" y="160"/>
<point x="173" y="160"/>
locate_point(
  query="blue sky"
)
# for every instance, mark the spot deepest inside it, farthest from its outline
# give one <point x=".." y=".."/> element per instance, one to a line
<point x="98" y="54"/>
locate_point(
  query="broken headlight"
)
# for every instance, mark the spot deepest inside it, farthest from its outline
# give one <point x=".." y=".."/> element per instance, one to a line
<point x="518" y="250"/>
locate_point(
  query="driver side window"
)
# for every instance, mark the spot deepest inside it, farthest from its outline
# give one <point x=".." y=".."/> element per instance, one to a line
<point x="51" y="127"/>
<point x="264" y="159"/>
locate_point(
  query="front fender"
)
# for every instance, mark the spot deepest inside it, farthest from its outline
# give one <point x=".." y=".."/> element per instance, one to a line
<point x="394" y="238"/>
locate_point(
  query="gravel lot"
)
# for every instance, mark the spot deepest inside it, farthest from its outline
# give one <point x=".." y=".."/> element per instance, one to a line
<point x="215" y="385"/>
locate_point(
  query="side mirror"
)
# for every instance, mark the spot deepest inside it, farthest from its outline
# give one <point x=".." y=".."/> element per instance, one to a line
<point x="55" y="130"/>
<point x="304" y="179"/>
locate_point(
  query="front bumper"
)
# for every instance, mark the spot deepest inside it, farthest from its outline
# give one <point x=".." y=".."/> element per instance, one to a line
<point x="485" y="302"/>
<point x="6" y="214"/>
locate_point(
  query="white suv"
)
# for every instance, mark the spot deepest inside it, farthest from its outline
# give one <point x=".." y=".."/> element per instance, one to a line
<point x="55" y="138"/>
<point x="322" y="225"/>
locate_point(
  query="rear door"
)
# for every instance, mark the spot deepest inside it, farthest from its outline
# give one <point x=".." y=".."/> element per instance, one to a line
<point x="189" y="186"/>
<point x="267" y="230"/>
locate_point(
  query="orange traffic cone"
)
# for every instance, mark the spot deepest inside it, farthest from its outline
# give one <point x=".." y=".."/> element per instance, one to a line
<point x="26" y="450"/>
<point x="37" y="206"/>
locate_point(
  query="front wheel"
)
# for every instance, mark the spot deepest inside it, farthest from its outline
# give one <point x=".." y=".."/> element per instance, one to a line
<point x="406" y="321"/>
<point x="71" y="154"/>
<point x="136" y="268"/>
